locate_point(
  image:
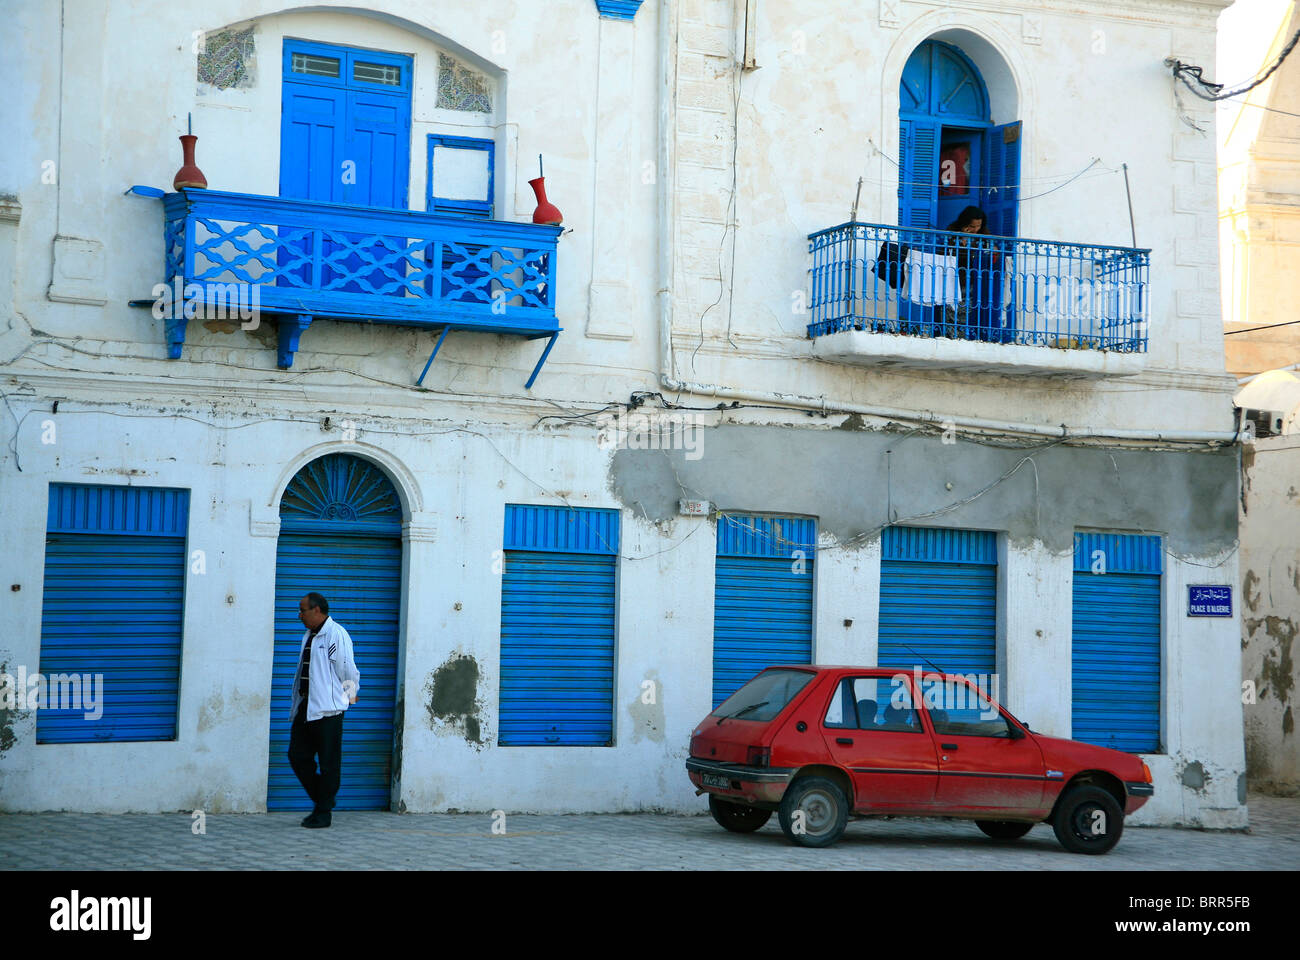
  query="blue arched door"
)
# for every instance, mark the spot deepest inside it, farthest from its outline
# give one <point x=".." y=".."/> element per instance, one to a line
<point x="951" y="154"/>
<point x="340" y="536"/>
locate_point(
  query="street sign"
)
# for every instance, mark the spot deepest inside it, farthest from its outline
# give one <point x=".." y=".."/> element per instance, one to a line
<point x="1209" y="601"/>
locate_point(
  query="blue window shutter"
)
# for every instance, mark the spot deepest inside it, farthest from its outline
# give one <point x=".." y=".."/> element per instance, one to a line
<point x="379" y="142"/>
<point x="311" y="142"/>
<point x="918" y="173"/>
<point x="1002" y="172"/>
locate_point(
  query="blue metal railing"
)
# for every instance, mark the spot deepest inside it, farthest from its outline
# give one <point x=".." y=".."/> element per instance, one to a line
<point x="308" y="259"/>
<point x="937" y="283"/>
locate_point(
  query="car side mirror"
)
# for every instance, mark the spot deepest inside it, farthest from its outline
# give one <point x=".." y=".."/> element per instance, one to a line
<point x="1016" y="732"/>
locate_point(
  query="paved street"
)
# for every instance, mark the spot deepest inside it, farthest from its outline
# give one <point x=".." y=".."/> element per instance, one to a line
<point x="386" y="841"/>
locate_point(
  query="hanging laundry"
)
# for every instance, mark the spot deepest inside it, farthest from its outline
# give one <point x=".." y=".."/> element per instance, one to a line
<point x="932" y="279"/>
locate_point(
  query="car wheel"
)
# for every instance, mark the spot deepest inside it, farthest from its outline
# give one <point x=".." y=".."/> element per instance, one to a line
<point x="814" y="812"/>
<point x="737" y="817"/>
<point x="1088" y="820"/>
<point x="1004" y="829"/>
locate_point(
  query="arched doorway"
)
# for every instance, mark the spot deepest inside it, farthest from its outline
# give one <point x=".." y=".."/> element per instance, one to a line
<point x="340" y="535"/>
<point x="951" y="153"/>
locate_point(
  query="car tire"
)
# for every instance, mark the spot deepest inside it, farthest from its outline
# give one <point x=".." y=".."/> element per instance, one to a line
<point x="1088" y="820"/>
<point x="737" y="817"/>
<point x="1004" y="829"/>
<point x="814" y="812"/>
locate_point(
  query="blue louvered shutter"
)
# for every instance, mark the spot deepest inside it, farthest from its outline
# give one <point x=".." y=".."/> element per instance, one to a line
<point x="918" y="173"/>
<point x="113" y="607"/>
<point x="938" y="599"/>
<point x="557" y="626"/>
<point x="1115" y="646"/>
<point x="1002" y="172"/>
<point x="763" y="597"/>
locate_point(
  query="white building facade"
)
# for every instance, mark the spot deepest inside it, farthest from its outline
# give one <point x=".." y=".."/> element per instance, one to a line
<point x="780" y="415"/>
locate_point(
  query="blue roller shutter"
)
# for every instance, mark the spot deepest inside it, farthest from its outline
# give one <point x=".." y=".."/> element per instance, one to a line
<point x="1115" y="651"/>
<point x="938" y="599"/>
<point x="113" y="606"/>
<point x="557" y="626"/>
<point x="763" y="597"/>
<point x="340" y="536"/>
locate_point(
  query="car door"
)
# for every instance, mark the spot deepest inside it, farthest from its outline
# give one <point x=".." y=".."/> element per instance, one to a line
<point x="984" y="763"/>
<point x="873" y="730"/>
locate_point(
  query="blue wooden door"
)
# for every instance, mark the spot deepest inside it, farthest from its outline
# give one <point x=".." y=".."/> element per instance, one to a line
<point x="340" y="536"/>
<point x="345" y="137"/>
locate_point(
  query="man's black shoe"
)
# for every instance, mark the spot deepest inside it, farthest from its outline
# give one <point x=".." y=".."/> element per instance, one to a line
<point x="308" y="817"/>
<point x="317" y="820"/>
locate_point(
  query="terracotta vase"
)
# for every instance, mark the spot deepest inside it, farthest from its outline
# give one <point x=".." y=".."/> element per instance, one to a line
<point x="189" y="175"/>
<point x="546" y="211"/>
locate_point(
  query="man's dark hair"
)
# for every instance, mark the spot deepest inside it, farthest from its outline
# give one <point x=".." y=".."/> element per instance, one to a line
<point x="319" y="602"/>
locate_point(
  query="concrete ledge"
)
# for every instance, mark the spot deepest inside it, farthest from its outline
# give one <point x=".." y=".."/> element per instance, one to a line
<point x="864" y="348"/>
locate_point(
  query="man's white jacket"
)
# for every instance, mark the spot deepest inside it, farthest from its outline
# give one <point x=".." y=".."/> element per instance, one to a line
<point x="330" y="667"/>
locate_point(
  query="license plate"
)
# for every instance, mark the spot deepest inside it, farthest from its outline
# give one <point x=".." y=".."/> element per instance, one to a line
<point x="711" y="780"/>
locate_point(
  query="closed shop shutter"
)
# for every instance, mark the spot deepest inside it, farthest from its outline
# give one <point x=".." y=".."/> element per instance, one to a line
<point x="938" y="600"/>
<point x="113" y="606"/>
<point x="557" y="626"/>
<point x="1115" y="651"/>
<point x="763" y="597"/>
<point x="340" y="536"/>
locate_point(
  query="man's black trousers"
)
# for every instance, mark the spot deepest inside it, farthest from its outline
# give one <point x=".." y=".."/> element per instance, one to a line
<point x="307" y="741"/>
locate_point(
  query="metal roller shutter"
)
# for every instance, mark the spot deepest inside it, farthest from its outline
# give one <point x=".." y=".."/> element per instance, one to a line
<point x="557" y="627"/>
<point x="763" y="597"/>
<point x="1115" y="652"/>
<point x="113" y="605"/>
<point x="938" y="600"/>
<point x="339" y="536"/>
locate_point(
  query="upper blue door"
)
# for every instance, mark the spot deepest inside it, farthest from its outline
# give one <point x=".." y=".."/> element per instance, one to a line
<point x="345" y="134"/>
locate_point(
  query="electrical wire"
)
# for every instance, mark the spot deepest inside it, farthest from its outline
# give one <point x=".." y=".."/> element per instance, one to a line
<point x="1182" y="71"/>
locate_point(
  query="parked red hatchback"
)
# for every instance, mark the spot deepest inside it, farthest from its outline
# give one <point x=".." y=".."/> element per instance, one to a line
<point x="818" y="745"/>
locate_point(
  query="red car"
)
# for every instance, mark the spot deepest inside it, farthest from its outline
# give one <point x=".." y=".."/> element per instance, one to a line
<point x="819" y="744"/>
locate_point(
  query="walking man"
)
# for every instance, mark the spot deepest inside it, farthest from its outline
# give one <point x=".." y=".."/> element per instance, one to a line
<point x="326" y="682"/>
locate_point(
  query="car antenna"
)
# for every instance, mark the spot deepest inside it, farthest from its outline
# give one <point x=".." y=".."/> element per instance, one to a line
<point x="932" y="666"/>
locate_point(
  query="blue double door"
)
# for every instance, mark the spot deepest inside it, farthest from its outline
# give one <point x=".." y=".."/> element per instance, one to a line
<point x="345" y="137"/>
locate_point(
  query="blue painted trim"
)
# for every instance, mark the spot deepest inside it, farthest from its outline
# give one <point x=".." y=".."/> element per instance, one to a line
<point x="291" y="329"/>
<point x="341" y="493"/>
<point x="561" y="529"/>
<point x="1124" y="553"/>
<point x="436" y="347"/>
<point x="757" y="535"/>
<point x="618" y="9"/>
<point x="152" y="192"/>
<point x="99" y="508"/>
<point x="939" y="545"/>
<point x="449" y="206"/>
<point x="541" y="360"/>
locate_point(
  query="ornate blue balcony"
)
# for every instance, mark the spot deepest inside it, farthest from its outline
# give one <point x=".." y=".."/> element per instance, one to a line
<point x="300" y="260"/>
<point x="903" y="296"/>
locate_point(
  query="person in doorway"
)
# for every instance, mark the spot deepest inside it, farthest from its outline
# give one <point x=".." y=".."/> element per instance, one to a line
<point x="325" y="684"/>
<point x="980" y="274"/>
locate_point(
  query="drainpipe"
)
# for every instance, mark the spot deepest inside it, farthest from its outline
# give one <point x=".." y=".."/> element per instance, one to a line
<point x="668" y="18"/>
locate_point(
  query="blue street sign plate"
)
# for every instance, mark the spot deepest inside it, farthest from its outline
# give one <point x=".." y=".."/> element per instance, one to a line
<point x="1204" y="601"/>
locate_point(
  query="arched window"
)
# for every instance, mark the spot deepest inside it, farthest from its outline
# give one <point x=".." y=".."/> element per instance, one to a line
<point x="951" y="154"/>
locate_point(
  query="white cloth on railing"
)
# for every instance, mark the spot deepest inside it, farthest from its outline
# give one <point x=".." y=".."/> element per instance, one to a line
<point x="932" y="279"/>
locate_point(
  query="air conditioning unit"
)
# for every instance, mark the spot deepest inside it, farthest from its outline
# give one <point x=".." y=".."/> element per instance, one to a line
<point x="1259" y="423"/>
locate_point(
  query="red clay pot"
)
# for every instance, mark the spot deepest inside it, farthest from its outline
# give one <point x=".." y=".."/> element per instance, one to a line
<point x="189" y="175"/>
<point x="546" y="211"/>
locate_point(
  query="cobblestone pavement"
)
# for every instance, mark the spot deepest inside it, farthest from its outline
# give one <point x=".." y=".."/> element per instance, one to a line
<point x="387" y="841"/>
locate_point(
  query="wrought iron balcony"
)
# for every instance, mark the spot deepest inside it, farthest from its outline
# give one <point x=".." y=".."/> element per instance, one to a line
<point x="300" y="260"/>
<point x="883" y="294"/>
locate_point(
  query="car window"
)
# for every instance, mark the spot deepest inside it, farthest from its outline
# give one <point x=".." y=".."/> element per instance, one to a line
<point x="958" y="709"/>
<point x="765" y="696"/>
<point x="881" y="704"/>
